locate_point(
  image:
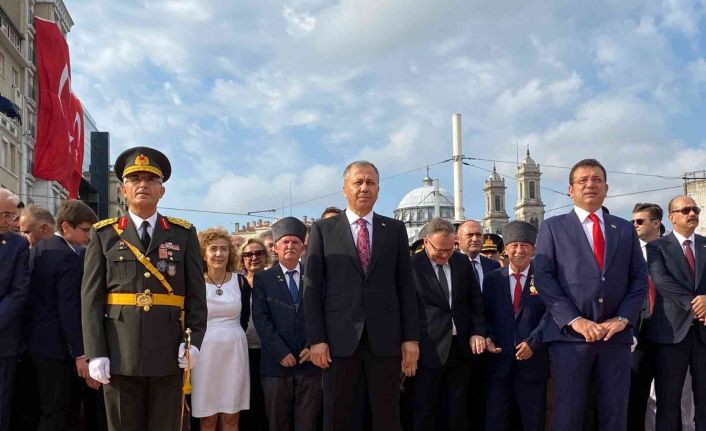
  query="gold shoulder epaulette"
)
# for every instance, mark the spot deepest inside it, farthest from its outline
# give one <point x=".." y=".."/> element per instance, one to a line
<point x="179" y="222"/>
<point x="103" y="223"/>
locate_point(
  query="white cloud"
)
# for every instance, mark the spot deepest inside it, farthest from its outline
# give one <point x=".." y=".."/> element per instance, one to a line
<point x="298" y="22"/>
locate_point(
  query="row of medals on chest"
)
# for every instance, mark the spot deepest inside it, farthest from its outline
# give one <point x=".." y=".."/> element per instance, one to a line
<point x="165" y="253"/>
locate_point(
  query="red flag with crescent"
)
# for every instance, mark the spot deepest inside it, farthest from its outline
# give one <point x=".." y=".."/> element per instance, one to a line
<point x="58" y="151"/>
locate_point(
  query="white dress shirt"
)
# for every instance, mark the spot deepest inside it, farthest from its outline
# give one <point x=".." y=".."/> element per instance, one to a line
<point x="297" y="277"/>
<point x="681" y="240"/>
<point x="137" y="220"/>
<point x="353" y="222"/>
<point x="587" y="224"/>
<point x="513" y="280"/>
<point x="479" y="269"/>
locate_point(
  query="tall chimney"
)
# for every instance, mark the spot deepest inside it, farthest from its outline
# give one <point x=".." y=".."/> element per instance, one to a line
<point x="458" y="167"/>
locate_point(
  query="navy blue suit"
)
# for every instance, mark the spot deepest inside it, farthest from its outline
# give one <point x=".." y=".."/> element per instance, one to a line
<point x="52" y="318"/>
<point x="293" y="395"/>
<point x="14" y="284"/>
<point x="52" y="326"/>
<point x="488" y="265"/>
<point x="524" y="381"/>
<point x="572" y="285"/>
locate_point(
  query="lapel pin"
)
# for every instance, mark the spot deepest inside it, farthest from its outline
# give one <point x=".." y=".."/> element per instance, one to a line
<point x="383" y="224"/>
<point x="613" y="226"/>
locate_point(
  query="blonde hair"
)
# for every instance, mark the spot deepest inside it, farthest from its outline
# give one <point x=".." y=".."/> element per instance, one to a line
<point x="209" y="235"/>
<point x="258" y="241"/>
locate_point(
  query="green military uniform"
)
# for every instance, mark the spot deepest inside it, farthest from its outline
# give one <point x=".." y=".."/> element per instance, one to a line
<point x="129" y="313"/>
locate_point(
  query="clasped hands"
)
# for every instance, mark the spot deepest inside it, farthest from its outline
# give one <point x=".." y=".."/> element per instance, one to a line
<point x="698" y="307"/>
<point x="321" y="357"/>
<point x="289" y="361"/>
<point x="593" y="331"/>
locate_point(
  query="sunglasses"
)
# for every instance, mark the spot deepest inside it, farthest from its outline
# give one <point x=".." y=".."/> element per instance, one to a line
<point x="640" y="221"/>
<point x="251" y="254"/>
<point x="687" y="210"/>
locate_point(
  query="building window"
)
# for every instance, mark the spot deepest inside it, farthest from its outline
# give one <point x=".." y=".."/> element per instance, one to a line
<point x="531" y="190"/>
<point x="496" y="207"/>
<point x="522" y="197"/>
<point x="30" y="86"/>
<point x="5" y="152"/>
<point x="2" y="66"/>
<point x="15" y="78"/>
<point x="30" y="160"/>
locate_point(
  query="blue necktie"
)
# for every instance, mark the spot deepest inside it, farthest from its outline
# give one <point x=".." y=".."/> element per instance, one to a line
<point x="293" y="287"/>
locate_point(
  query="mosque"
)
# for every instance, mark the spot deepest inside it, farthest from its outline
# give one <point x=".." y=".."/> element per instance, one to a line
<point x="419" y="206"/>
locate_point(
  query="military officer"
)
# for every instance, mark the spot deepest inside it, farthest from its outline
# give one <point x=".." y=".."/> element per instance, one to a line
<point x="142" y="285"/>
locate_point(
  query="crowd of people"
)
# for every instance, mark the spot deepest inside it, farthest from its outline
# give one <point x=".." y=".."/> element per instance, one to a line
<point x="142" y="323"/>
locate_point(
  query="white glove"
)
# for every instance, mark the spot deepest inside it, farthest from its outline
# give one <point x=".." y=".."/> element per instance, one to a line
<point x="193" y="356"/>
<point x="99" y="369"/>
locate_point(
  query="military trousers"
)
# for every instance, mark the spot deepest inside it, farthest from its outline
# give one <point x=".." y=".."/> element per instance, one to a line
<point x="143" y="403"/>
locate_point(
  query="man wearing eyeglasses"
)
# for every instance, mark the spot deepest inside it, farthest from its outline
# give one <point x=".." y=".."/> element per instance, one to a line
<point x="591" y="275"/>
<point x="52" y="317"/>
<point x="677" y="263"/>
<point x="452" y="327"/>
<point x="14" y="285"/>
<point x="142" y="285"/>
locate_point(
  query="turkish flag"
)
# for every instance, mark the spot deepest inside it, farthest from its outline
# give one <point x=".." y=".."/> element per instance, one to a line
<point x="58" y="152"/>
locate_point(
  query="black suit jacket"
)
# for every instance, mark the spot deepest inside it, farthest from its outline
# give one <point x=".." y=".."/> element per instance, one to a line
<point x="52" y="318"/>
<point x="488" y="265"/>
<point x="435" y="314"/>
<point x="14" y="284"/>
<point x="341" y="299"/>
<point x="508" y="330"/>
<point x="672" y="315"/>
<point x="279" y="323"/>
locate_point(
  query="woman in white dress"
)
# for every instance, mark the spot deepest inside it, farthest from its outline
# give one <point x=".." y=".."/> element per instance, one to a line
<point x="221" y="379"/>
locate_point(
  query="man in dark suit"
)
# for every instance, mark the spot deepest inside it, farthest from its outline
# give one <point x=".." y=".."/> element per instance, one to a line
<point x="361" y="307"/>
<point x="677" y="265"/>
<point x="52" y="318"/>
<point x="452" y="327"/>
<point x="591" y="275"/>
<point x="14" y="284"/>
<point x="291" y="383"/>
<point x="515" y="316"/>
<point x="142" y="284"/>
<point x="470" y="241"/>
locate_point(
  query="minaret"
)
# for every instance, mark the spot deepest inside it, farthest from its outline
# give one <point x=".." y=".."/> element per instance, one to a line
<point x="529" y="206"/>
<point x="495" y="216"/>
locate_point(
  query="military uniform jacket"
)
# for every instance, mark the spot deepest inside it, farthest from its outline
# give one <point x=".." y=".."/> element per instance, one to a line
<point x="139" y="342"/>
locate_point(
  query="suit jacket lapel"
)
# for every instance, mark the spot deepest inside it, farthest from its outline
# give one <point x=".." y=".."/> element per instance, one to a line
<point x="700" y="246"/>
<point x="159" y="235"/>
<point x="676" y="250"/>
<point x="379" y="238"/>
<point x="282" y="284"/>
<point x="343" y="229"/>
<point x="611" y="239"/>
<point x="505" y="295"/>
<point x="430" y="273"/>
<point x="573" y="226"/>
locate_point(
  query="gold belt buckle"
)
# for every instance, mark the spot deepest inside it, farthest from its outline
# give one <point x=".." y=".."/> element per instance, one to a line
<point x="144" y="300"/>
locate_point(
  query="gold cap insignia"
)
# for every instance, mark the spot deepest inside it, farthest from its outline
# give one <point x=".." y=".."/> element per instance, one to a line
<point x="142" y="160"/>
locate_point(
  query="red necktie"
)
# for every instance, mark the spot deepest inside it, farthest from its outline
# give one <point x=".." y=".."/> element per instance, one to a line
<point x="518" y="293"/>
<point x="598" y="240"/>
<point x="363" y="244"/>
<point x="690" y="259"/>
<point x="651" y="294"/>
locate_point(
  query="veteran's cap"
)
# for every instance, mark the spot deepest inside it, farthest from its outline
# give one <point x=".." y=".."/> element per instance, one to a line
<point x="519" y="231"/>
<point x="288" y="226"/>
<point x="492" y="243"/>
<point x="142" y="159"/>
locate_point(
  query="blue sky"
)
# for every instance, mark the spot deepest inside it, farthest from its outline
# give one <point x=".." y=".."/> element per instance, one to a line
<point x="250" y="99"/>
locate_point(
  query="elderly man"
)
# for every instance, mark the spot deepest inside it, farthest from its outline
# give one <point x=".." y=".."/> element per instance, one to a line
<point x="142" y="284"/>
<point x="470" y="240"/>
<point x="515" y="318"/>
<point x="14" y="285"/>
<point x="361" y="307"/>
<point x="36" y="224"/>
<point x="591" y="275"/>
<point x="291" y="383"/>
<point x="677" y="264"/>
<point x="451" y="329"/>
